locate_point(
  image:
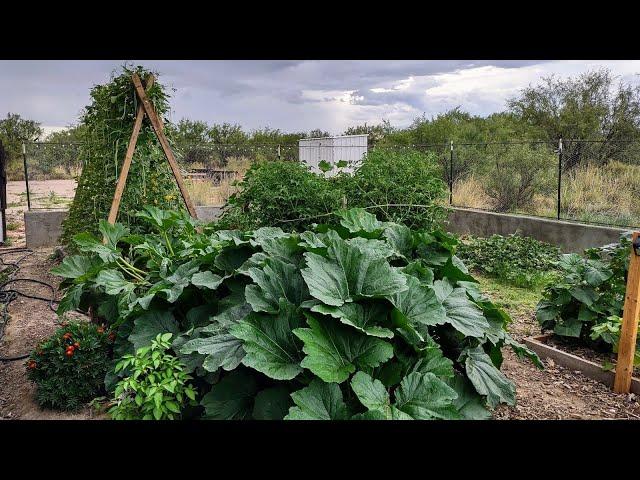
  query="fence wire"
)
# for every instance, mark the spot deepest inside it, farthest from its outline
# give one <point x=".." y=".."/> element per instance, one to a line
<point x="589" y="181"/>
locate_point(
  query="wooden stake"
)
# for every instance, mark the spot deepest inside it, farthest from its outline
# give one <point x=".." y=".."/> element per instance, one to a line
<point x="158" y="128"/>
<point x="629" y="330"/>
<point x="122" y="179"/>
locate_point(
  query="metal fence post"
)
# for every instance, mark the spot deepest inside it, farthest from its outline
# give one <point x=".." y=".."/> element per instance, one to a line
<point x="451" y="174"/>
<point x="4" y="158"/>
<point x="559" y="175"/>
<point x="26" y="174"/>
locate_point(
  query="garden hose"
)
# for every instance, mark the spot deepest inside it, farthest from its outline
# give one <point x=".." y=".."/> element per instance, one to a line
<point x="8" y="295"/>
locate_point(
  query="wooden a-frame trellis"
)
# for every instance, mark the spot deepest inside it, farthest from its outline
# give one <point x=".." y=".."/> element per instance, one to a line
<point x="146" y="108"/>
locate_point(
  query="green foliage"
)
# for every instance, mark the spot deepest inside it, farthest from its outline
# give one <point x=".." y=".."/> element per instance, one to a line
<point x="367" y="319"/>
<point x="409" y="178"/>
<point x="515" y="174"/>
<point x="106" y="129"/>
<point x="589" y="106"/>
<point x="156" y="387"/>
<point x="14" y="130"/>
<point x="396" y="186"/>
<point x="585" y="302"/>
<point x="281" y="193"/>
<point x="69" y="367"/>
<point x="514" y="259"/>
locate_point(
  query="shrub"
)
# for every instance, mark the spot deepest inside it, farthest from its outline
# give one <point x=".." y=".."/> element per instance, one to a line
<point x="107" y="125"/>
<point x="400" y="177"/>
<point x="589" y="293"/>
<point x="367" y="319"/>
<point x="69" y="367"/>
<point x="156" y="387"/>
<point x="283" y="194"/>
<point x="515" y="174"/>
<point x="514" y="259"/>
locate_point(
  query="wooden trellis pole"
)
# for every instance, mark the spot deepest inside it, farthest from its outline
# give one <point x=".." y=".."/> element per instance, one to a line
<point x="629" y="330"/>
<point x="146" y="107"/>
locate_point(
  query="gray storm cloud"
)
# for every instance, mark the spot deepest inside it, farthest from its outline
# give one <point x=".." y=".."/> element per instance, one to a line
<point x="292" y="95"/>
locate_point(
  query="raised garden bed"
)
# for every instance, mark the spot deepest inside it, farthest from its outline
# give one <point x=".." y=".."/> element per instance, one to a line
<point x="546" y="347"/>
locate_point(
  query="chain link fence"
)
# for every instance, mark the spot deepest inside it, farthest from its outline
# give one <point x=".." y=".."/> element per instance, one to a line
<point x="580" y="180"/>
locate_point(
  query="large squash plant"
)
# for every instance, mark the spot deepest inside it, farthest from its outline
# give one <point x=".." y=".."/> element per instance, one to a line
<point x="363" y="320"/>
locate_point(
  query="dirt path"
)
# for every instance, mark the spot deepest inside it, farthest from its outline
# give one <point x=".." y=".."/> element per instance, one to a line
<point x="30" y="321"/>
<point x="556" y="392"/>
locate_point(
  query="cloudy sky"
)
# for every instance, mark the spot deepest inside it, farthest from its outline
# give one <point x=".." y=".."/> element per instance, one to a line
<point x="292" y="95"/>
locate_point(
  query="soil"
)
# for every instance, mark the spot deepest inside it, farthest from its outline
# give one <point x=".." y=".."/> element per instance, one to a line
<point x="557" y="392"/>
<point x="575" y="348"/>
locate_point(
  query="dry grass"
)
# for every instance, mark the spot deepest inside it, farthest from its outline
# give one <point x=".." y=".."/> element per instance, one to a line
<point x="606" y="194"/>
<point x="203" y="192"/>
<point x="470" y="193"/>
<point x="594" y="193"/>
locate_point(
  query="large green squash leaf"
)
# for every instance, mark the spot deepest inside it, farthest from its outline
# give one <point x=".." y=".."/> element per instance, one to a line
<point x="272" y="404"/>
<point x="222" y="351"/>
<point x="469" y="403"/>
<point x="368" y="317"/>
<point x="418" y="304"/>
<point x="113" y="282"/>
<point x="206" y="279"/>
<point x="399" y="238"/>
<point x="423" y="396"/>
<point x="75" y="267"/>
<point x="277" y="280"/>
<point x="148" y="325"/>
<point x="462" y="313"/>
<point x="334" y="351"/>
<point x="269" y="342"/>
<point x="318" y="401"/>
<point x="360" y="222"/>
<point x="371" y="393"/>
<point x="232" y="398"/>
<point x="347" y="274"/>
<point x="487" y="379"/>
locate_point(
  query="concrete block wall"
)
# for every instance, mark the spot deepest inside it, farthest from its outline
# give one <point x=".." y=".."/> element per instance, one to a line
<point x="569" y="236"/>
<point x="44" y="227"/>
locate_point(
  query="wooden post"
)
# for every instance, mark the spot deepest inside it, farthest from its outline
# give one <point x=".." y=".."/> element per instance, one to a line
<point x="122" y="179"/>
<point x="629" y="330"/>
<point x="157" y="127"/>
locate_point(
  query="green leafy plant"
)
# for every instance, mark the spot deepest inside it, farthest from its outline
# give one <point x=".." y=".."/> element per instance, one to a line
<point x="403" y="186"/>
<point x="156" y="387"/>
<point x="69" y="367"/>
<point x="589" y="296"/>
<point x="276" y="325"/>
<point x="281" y="193"/>
<point x="399" y="186"/>
<point x="107" y="124"/>
<point x="514" y="259"/>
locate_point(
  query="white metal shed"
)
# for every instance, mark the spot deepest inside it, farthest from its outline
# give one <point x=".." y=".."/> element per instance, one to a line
<point x="350" y="148"/>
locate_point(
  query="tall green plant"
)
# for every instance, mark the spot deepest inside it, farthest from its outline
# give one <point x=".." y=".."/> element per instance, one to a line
<point x="106" y="128"/>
